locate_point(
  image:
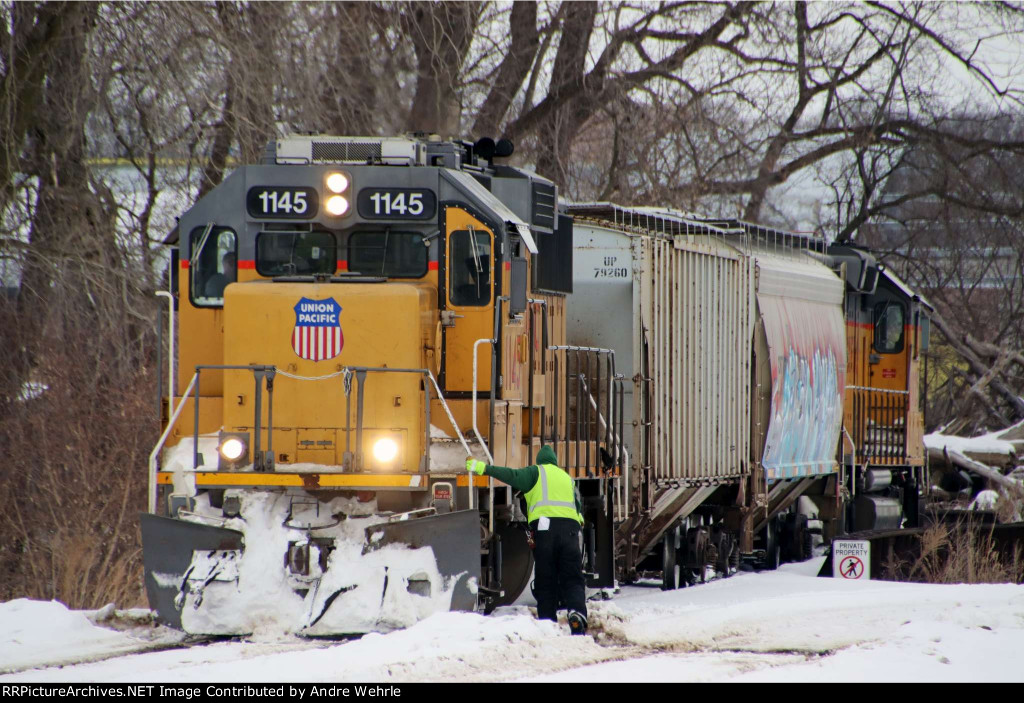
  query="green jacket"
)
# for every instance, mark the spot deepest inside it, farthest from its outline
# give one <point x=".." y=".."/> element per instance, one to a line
<point x="524" y="479"/>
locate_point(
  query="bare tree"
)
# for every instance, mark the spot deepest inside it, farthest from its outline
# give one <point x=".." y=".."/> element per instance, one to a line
<point x="950" y="219"/>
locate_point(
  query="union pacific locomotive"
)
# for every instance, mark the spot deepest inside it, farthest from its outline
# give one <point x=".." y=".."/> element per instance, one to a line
<point x="356" y="315"/>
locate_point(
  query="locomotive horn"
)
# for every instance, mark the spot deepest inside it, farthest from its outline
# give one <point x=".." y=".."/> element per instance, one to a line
<point x="484" y="147"/>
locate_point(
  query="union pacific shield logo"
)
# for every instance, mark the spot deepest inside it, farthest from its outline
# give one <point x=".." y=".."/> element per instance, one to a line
<point x="317" y="335"/>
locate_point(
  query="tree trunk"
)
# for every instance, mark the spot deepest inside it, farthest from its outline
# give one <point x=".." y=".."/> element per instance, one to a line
<point x="441" y="34"/>
<point x="525" y="40"/>
<point x="568" y="76"/>
<point x="69" y="236"/>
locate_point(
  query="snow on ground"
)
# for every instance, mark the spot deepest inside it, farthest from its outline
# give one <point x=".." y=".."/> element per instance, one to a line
<point x="787" y="626"/>
<point x="36" y="633"/>
<point x="770" y="626"/>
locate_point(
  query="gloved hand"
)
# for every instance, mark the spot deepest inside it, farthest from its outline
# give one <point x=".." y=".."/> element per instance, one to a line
<point x="475" y="465"/>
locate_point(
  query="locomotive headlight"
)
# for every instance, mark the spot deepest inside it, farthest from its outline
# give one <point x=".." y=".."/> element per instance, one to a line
<point x="337" y="205"/>
<point x="232" y="450"/>
<point x="337" y="182"/>
<point x="385" y="450"/>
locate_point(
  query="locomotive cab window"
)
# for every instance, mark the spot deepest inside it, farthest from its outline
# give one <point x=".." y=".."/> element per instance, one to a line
<point x="213" y="264"/>
<point x="469" y="268"/>
<point x="889" y="321"/>
<point x="388" y="253"/>
<point x="296" y="253"/>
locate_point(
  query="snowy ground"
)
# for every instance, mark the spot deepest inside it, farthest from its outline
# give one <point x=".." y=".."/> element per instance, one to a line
<point x="781" y="626"/>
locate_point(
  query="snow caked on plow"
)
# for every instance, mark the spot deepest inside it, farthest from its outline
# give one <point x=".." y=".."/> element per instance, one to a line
<point x="290" y="564"/>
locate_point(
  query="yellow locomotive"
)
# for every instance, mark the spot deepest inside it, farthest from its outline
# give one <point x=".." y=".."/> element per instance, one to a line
<point x="355" y="316"/>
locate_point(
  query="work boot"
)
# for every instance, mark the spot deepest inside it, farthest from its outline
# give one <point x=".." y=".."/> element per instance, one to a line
<point x="577" y="623"/>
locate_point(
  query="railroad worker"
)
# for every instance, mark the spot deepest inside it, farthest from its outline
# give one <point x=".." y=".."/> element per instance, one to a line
<point x="216" y="283"/>
<point x="555" y="515"/>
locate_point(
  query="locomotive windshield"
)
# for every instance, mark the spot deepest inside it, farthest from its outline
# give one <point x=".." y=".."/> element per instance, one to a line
<point x="387" y="253"/>
<point x="291" y="253"/>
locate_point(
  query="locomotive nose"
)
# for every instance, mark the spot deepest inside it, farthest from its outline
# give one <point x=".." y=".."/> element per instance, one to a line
<point x="347" y="393"/>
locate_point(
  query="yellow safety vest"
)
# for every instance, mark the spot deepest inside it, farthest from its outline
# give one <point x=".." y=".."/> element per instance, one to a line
<point x="552" y="496"/>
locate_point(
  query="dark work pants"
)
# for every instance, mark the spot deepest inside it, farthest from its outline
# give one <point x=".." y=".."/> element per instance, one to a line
<point x="558" y="568"/>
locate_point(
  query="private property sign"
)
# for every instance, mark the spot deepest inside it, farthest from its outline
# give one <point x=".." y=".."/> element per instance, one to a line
<point x="851" y="559"/>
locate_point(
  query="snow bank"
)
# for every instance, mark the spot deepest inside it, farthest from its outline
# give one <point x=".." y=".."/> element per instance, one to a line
<point x="789" y="611"/>
<point x="35" y="633"/>
<point x="444" y="647"/>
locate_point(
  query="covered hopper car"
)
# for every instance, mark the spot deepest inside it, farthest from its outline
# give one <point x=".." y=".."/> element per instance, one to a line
<point x="354" y="316"/>
<point x="767" y="367"/>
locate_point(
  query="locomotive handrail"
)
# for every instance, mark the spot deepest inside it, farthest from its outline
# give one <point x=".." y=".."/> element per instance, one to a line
<point x="170" y="344"/>
<point x="476" y="430"/>
<point x="842" y="466"/>
<point x="448" y="412"/>
<point x="617" y="444"/>
<point x="163" y="438"/>
<point x="877" y="390"/>
<point x="624" y="459"/>
<point x="259" y="372"/>
<point x="880" y="423"/>
<point x="543" y="365"/>
<point x="611" y="385"/>
<point x="362" y="370"/>
<point x="268" y="372"/>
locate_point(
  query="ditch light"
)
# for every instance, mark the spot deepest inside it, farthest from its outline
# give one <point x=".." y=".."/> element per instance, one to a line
<point x="232" y="450"/>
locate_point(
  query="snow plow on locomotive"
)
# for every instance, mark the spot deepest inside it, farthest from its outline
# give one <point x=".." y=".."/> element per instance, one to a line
<point x="356" y="315"/>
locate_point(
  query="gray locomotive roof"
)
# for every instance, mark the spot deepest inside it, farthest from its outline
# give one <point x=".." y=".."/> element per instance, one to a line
<point x="483" y="199"/>
<point x="904" y="288"/>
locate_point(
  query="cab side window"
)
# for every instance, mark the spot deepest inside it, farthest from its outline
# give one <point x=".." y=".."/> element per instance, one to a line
<point x="889" y="321"/>
<point x="469" y="268"/>
<point x="213" y="264"/>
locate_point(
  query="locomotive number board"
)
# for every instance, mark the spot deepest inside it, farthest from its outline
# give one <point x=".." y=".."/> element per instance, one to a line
<point x="392" y="203"/>
<point x="284" y="202"/>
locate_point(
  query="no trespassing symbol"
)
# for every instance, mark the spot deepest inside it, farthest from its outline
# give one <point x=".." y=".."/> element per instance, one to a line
<point x="851" y="559"/>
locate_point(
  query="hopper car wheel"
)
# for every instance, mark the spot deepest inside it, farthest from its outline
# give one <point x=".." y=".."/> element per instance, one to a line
<point x="516" y="563"/>
<point x="670" y="569"/>
<point x="792" y="537"/>
<point x="772" y="548"/>
<point x="697" y="555"/>
<point x="725" y="548"/>
<point x="800" y="549"/>
<point x="807" y="545"/>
